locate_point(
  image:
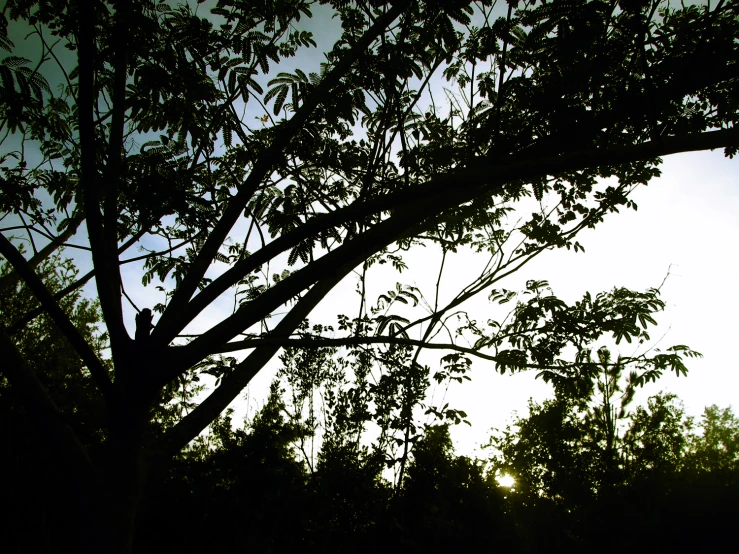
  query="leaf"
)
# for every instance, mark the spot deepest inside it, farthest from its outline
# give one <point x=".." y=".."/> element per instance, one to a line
<point x="280" y="99"/>
<point x="538" y="190"/>
<point x="23" y="84"/>
<point x="6" y="75"/>
<point x="14" y="61"/>
<point x="5" y="43"/>
<point x="263" y="62"/>
<point x="274" y="92"/>
<point x="256" y="86"/>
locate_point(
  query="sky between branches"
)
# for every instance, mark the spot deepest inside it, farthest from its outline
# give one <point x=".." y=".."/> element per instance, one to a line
<point x="686" y="224"/>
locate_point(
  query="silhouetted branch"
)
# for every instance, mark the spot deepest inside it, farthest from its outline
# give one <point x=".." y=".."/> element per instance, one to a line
<point x="60" y="319"/>
<point x="171" y="321"/>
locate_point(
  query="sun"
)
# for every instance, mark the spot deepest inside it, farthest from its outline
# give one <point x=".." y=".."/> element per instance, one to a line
<point x="506" y="481"/>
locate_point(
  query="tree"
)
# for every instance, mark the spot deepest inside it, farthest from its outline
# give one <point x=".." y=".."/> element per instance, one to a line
<point x="138" y="120"/>
<point x="232" y="484"/>
<point x="575" y="482"/>
<point x="448" y="502"/>
<point x="717" y="448"/>
<point x="39" y="497"/>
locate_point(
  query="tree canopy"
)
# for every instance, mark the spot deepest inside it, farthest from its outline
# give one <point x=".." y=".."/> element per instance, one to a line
<point x="188" y="133"/>
<point x="577" y="476"/>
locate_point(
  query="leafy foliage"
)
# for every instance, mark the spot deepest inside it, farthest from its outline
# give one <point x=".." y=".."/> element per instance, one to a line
<point x="578" y="473"/>
<point x="206" y="136"/>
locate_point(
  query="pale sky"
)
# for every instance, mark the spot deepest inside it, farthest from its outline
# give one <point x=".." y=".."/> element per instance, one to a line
<point x="687" y="219"/>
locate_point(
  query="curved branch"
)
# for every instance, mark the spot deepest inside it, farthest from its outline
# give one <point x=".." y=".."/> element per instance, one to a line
<point x="60" y="319"/>
<point x="415" y="209"/>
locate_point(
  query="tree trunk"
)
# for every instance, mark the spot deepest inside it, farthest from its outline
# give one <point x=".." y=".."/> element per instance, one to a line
<point x="111" y="508"/>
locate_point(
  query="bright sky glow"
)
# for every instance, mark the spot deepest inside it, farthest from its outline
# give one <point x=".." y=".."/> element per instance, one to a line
<point x="687" y="222"/>
<point x="506" y="481"/>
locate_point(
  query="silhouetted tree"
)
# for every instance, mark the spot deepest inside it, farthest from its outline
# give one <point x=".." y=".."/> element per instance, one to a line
<point x="448" y="503"/>
<point x="570" y="496"/>
<point x="147" y="122"/>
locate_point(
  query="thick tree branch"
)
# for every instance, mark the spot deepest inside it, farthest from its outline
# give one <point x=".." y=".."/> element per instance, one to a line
<point x="114" y="162"/>
<point x="232" y="385"/>
<point x="60" y="319"/>
<point x="170" y="322"/>
<point x="678" y="87"/>
<point x="412" y="208"/>
<point x="323" y="342"/>
<point x="107" y="276"/>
